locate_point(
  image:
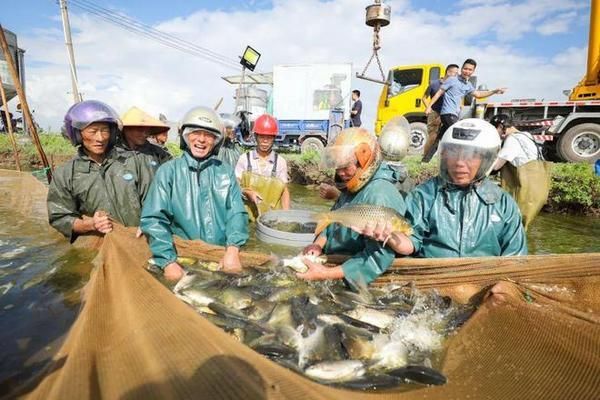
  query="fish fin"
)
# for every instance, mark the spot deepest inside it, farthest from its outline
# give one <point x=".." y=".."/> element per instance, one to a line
<point x="322" y="223"/>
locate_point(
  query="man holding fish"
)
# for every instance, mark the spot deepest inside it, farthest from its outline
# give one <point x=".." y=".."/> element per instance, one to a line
<point x="460" y="212"/>
<point x="367" y="193"/>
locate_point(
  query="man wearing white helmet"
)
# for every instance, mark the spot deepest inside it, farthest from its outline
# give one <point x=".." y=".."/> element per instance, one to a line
<point x="460" y="213"/>
<point x="195" y="196"/>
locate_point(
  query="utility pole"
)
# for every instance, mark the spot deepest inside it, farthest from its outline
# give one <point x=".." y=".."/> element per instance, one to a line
<point x="67" y="30"/>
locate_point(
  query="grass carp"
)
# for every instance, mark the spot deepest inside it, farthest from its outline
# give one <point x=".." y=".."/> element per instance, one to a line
<point x="362" y="214"/>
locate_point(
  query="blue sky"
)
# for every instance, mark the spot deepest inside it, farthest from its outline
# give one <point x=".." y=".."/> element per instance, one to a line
<point x="26" y="15"/>
<point x="535" y="47"/>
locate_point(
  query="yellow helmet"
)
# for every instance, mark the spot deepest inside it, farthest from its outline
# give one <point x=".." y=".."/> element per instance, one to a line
<point x="354" y="146"/>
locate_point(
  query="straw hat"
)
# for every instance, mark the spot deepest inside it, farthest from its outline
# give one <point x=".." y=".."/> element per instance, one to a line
<point x="136" y="117"/>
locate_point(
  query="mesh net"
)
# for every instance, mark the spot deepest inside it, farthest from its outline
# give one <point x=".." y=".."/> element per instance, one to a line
<point x="135" y="339"/>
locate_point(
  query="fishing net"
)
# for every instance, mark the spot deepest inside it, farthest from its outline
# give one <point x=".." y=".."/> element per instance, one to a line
<point x="134" y="339"/>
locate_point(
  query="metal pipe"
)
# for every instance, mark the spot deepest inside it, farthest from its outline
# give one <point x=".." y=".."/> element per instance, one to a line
<point x="26" y="113"/>
<point x="69" y="44"/>
<point x="593" y="60"/>
<point x="11" y="134"/>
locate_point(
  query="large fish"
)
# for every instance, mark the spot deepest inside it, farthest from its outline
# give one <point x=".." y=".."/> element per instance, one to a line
<point x="360" y="215"/>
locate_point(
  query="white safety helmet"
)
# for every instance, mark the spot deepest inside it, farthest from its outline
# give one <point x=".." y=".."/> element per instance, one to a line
<point x="467" y="139"/>
<point x="202" y="118"/>
<point x="394" y="139"/>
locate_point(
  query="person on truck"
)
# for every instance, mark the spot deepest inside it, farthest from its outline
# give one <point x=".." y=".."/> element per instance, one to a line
<point x="454" y="89"/>
<point x="99" y="184"/>
<point x="262" y="173"/>
<point x="195" y="196"/>
<point x="433" y="118"/>
<point x="137" y="127"/>
<point x="460" y="212"/>
<point x="523" y="171"/>
<point x="356" y="110"/>
<point x="363" y="178"/>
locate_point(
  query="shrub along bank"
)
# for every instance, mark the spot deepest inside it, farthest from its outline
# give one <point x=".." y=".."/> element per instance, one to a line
<point x="575" y="188"/>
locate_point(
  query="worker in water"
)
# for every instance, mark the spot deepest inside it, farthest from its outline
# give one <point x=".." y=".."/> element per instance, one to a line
<point x="263" y="173"/>
<point x="362" y="178"/>
<point x="231" y="150"/>
<point x="137" y="127"/>
<point x="460" y="212"/>
<point x="195" y="196"/>
<point x="394" y="143"/>
<point x="524" y="173"/>
<point x="100" y="184"/>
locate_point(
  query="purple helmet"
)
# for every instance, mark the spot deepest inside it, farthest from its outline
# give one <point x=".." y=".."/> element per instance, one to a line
<point x="80" y="115"/>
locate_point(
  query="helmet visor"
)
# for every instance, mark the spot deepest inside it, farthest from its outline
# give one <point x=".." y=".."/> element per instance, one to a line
<point x="462" y="164"/>
<point x="338" y="156"/>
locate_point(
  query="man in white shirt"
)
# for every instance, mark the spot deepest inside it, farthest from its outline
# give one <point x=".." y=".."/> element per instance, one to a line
<point x="525" y="174"/>
<point x="263" y="173"/>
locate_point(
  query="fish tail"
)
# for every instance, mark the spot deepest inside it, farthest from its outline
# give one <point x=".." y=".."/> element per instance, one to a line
<point x="323" y="222"/>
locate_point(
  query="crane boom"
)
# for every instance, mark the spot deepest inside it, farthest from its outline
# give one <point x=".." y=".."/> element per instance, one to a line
<point x="589" y="87"/>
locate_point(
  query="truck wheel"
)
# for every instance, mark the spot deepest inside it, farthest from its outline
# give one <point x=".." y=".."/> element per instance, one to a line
<point x="580" y="143"/>
<point x="312" y="143"/>
<point x="418" y="137"/>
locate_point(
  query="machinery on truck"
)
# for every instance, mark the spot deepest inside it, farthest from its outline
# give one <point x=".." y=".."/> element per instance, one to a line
<point x="311" y="102"/>
<point x="569" y="130"/>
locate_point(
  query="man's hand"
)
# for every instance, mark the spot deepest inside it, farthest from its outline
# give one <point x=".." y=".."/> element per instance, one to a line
<point x="231" y="261"/>
<point x="328" y="192"/>
<point x="500" y="90"/>
<point x="380" y="230"/>
<point x="253" y="196"/>
<point x="319" y="272"/>
<point x="428" y="110"/>
<point x="102" y="222"/>
<point x="173" y="272"/>
<point x="312" y="249"/>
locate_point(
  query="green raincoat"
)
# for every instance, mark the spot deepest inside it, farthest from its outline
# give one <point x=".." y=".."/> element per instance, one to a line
<point x="449" y="221"/>
<point x="82" y="187"/>
<point x="230" y="152"/>
<point x="369" y="258"/>
<point x="193" y="199"/>
<point x="155" y="155"/>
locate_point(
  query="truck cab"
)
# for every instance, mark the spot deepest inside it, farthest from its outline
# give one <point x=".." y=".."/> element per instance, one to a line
<point x="402" y="96"/>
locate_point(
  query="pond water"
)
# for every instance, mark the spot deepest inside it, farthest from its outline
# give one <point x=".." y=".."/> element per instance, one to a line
<point x="41" y="277"/>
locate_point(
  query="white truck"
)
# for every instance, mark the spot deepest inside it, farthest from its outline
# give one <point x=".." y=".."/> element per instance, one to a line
<point x="310" y="101"/>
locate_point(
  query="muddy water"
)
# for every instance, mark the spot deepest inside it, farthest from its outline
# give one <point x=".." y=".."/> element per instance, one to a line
<point x="41" y="277"/>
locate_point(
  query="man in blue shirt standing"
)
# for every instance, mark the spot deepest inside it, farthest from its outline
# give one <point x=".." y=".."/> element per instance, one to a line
<point x="453" y="90"/>
<point x="433" y="118"/>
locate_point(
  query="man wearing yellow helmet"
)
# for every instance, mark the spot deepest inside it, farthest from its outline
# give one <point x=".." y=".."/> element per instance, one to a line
<point x="362" y="178"/>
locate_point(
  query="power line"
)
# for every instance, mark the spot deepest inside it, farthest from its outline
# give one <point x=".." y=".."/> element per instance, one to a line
<point x="139" y="28"/>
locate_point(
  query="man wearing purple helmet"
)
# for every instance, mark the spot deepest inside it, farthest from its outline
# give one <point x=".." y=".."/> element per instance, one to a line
<point x="99" y="184"/>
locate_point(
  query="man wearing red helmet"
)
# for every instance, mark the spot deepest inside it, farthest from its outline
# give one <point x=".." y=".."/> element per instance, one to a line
<point x="262" y="172"/>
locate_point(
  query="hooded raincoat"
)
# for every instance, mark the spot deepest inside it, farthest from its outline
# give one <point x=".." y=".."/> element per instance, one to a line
<point x="449" y="221"/>
<point x="193" y="199"/>
<point x="369" y="258"/>
<point x="82" y="187"/>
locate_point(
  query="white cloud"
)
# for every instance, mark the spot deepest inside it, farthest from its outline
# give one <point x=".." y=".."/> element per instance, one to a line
<point x="124" y="69"/>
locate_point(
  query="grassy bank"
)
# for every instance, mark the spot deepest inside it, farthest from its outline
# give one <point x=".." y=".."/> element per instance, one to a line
<point x="575" y="188"/>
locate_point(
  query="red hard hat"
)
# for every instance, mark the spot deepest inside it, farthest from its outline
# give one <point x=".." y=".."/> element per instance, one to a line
<point x="265" y="125"/>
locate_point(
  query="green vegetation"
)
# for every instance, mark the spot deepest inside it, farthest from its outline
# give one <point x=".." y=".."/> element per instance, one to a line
<point x="574" y="186"/>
